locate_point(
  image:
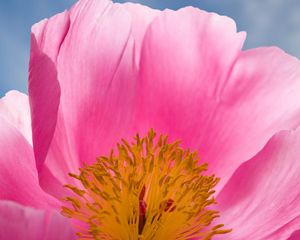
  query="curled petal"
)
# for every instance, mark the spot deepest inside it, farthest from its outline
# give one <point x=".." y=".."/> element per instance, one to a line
<point x="261" y="199"/>
<point x="18" y="174"/>
<point x="88" y="88"/>
<point x="14" y="108"/>
<point x="197" y="85"/>
<point x="19" y="222"/>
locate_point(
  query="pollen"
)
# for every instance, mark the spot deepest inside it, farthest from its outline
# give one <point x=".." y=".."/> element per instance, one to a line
<point x="146" y="189"/>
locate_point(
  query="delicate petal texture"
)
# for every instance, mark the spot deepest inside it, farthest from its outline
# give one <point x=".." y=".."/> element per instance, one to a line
<point x="261" y="200"/>
<point x="50" y="34"/>
<point x="262" y="98"/>
<point x="141" y="16"/>
<point x="18" y="222"/>
<point x="285" y="230"/>
<point x="44" y="89"/>
<point x="44" y="93"/>
<point x="186" y="59"/>
<point x="14" y="108"/>
<point x="18" y="175"/>
<point x="96" y="76"/>
<point x="223" y="102"/>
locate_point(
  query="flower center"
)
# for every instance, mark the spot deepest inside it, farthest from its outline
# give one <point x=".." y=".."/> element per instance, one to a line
<point x="150" y="189"/>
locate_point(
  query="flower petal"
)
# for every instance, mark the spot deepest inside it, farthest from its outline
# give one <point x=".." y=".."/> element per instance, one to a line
<point x="19" y="222"/>
<point x="295" y="235"/>
<point x="261" y="200"/>
<point x="49" y="34"/>
<point x="14" y="108"/>
<point x="141" y="17"/>
<point x="44" y="89"/>
<point x="196" y="85"/>
<point x="96" y="76"/>
<point x="18" y="175"/>
<point x="260" y="98"/>
<point x="44" y="102"/>
<point x="186" y="59"/>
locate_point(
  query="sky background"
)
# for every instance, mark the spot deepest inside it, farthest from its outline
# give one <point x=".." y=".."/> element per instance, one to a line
<point x="267" y="22"/>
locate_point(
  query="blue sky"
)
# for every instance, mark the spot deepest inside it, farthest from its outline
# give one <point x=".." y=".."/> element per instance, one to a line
<point x="267" y="22"/>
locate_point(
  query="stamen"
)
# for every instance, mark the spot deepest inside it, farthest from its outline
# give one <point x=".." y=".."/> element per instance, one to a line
<point x="150" y="189"/>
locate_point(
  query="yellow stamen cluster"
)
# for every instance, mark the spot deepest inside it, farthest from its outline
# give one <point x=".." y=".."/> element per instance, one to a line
<point x="150" y="189"/>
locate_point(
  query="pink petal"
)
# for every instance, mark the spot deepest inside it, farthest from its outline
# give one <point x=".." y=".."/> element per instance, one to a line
<point x="44" y="89"/>
<point x="141" y="17"/>
<point x="295" y="235"/>
<point x="19" y="222"/>
<point x="187" y="57"/>
<point x="261" y="200"/>
<point x="18" y="175"/>
<point x="44" y="94"/>
<point x="14" y="108"/>
<point x="96" y="76"/>
<point x="44" y="102"/>
<point x="49" y="34"/>
<point x="196" y="85"/>
<point x="262" y="98"/>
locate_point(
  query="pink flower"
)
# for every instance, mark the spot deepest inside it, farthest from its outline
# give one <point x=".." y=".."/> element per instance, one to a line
<point x="102" y="71"/>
